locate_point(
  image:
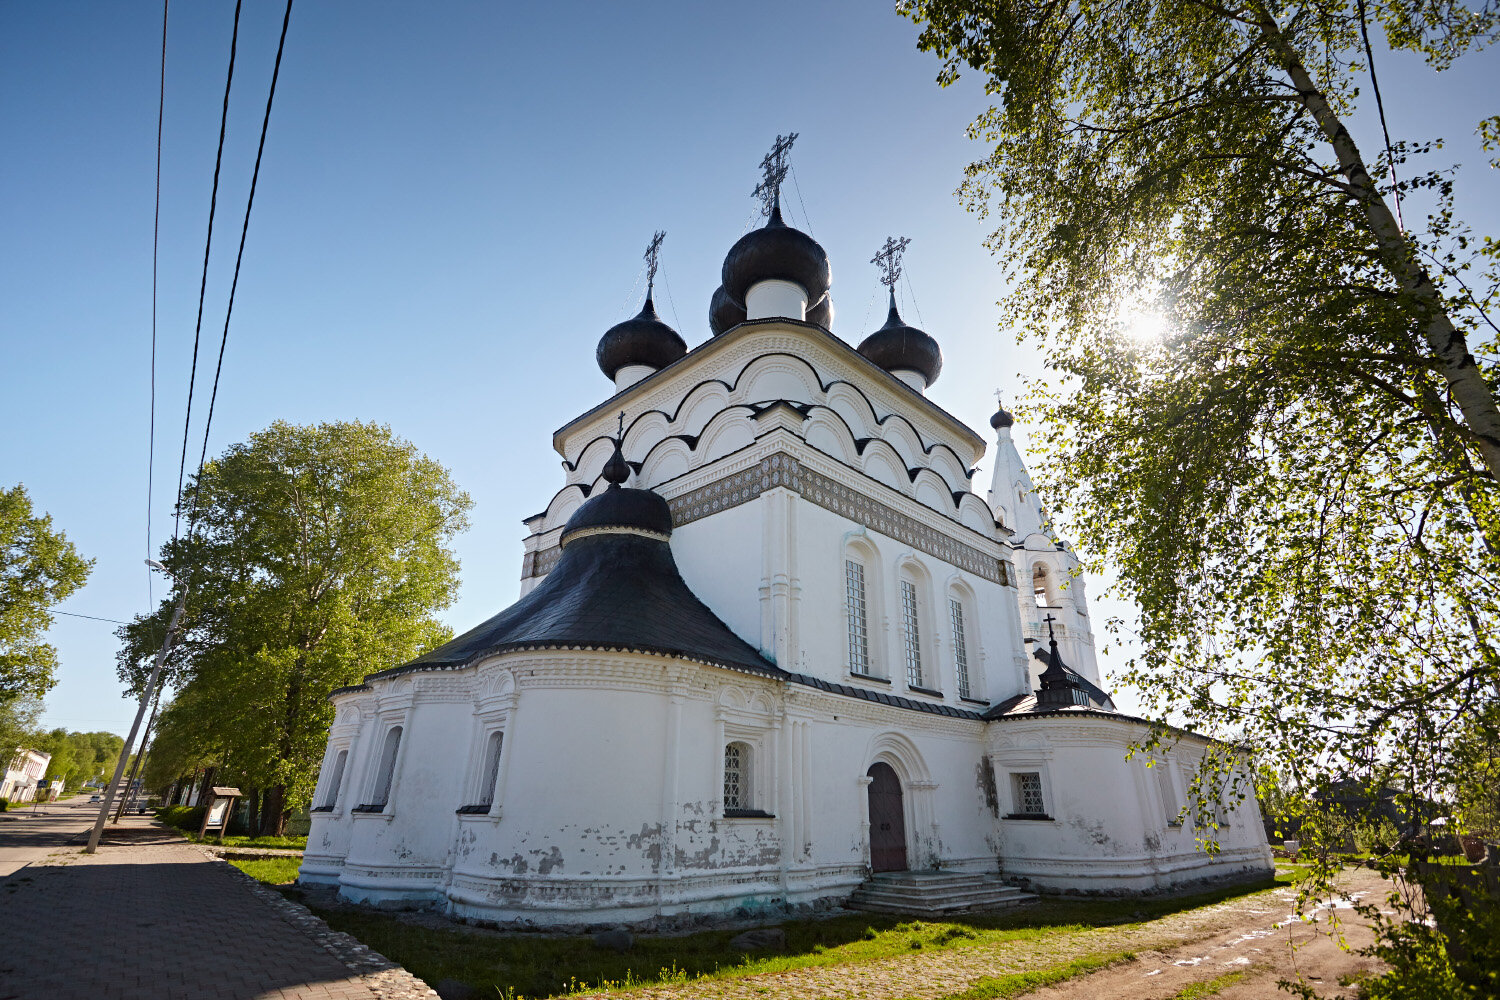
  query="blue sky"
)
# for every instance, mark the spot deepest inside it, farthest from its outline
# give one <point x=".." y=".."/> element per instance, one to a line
<point x="452" y="209"/>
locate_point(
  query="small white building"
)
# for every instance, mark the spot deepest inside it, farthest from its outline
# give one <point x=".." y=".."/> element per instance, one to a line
<point x="23" y="775"/>
<point x="770" y="642"/>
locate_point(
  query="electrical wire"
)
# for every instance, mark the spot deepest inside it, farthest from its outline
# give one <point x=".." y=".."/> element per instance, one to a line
<point x="96" y="618"/>
<point x="798" y="188"/>
<point x="213" y="200"/>
<point x="1390" y="154"/>
<point x="240" y="255"/>
<point x="161" y="107"/>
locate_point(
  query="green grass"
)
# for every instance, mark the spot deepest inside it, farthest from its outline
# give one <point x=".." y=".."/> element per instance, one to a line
<point x="1020" y="983"/>
<point x="272" y="871"/>
<point x="1209" y="987"/>
<point x="535" y="965"/>
<point x="281" y="843"/>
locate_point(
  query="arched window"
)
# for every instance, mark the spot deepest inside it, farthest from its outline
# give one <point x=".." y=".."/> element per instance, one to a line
<point x="911" y="633"/>
<point x="387" y="772"/>
<point x="960" y="646"/>
<point x="738" y="796"/>
<point x="1041" y="587"/>
<point x="856" y="604"/>
<point x="491" y="773"/>
<point x="335" y="780"/>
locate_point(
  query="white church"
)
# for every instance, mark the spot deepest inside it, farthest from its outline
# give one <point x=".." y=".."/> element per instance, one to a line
<point x="772" y="649"/>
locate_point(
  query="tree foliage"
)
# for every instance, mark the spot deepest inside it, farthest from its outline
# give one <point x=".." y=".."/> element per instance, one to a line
<point x="39" y="567"/>
<point x="313" y="556"/>
<point x="79" y="757"/>
<point x="1297" y="483"/>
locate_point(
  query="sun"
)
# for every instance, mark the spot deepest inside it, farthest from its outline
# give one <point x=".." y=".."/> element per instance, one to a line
<point x="1140" y="320"/>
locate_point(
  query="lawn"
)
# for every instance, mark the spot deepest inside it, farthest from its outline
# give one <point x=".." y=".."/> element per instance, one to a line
<point x="280" y="843"/>
<point x="535" y="965"/>
<point x="272" y="871"/>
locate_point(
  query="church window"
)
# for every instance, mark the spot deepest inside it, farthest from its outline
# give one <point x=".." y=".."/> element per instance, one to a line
<point x="859" y="622"/>
<point x="1040" y="587"/>
<point x="737" y="795"/>
<point x="491" y="769"/>
<point x="960" y="647"/>
<point x="911" y="633"/>
<point x="335" y="779"/>
<point x="1026" y="789"/>
<point x="387" y="772"/>
<point x="1168" y="788"/>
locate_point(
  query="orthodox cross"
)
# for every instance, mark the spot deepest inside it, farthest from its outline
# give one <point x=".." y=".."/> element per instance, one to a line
<point x="773" y="171"/>
<point x="653" y="255"/>
<point x="621" y="432"/>
<point x="1049" y="620"/>
<point x="889" y="260"/>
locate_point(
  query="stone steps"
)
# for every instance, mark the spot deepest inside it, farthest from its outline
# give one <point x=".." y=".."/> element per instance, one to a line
<point x="936" y="893"/>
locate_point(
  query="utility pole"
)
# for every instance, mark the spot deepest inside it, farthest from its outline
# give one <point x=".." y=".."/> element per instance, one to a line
<point x="140" y="712"/>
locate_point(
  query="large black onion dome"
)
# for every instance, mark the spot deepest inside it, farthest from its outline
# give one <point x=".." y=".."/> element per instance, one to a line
<point x="724" y="312"/>
<point x="822" y="313"/>
<point x="777" y="251"/>
<point x="1002" y="418"/>
<point x="897" y="346"/>
<point x="641" y="340"/>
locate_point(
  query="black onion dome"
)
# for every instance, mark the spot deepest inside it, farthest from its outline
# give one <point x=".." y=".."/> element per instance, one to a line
<point x="724" y="312"/>
<point x="1002" y="418"/>
<point x="897" y="346"/>
<point x="640" y="510"/>
<point x="776" y="250"/>
<point x="822" y="313"/>
<point x="641" y="340"/>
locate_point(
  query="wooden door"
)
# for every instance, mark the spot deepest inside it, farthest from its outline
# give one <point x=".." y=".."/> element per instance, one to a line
<point x="887" y="820"/>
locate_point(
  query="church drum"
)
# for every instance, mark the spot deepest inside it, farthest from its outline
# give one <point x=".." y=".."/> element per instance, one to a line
<point x="887" y="820"/>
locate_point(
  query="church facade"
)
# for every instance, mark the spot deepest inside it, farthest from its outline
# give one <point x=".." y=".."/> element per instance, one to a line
<point x="771" y="640"/>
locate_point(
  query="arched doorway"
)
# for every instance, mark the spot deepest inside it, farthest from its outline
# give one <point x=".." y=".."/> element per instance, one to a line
<point x="887" y="820"/>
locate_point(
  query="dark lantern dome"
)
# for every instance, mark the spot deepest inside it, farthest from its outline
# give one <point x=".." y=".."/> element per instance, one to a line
<point x="620" y="508"/>
<point x="897" y="346"/>
<point x="776" y="251"/>
<point x="641" y="340"/>
<point x="1002" y="418"/>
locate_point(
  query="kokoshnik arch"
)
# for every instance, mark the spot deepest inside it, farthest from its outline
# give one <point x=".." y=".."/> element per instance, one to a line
<point x="770" y="642"/>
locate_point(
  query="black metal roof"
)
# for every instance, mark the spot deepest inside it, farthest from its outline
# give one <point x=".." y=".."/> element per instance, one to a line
<point x="776" y="250"/>
<point x="641" y="340"/>
<point x="608" y="591"/>
<point x="898" y="345"/>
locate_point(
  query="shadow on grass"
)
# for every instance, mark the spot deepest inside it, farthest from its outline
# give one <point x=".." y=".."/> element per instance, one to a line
<point x="537" y="965"/>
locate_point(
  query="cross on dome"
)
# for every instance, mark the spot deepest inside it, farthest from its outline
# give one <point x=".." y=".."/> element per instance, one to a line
<point x="653" y="258"/>
<point x="889" y="260"/>
<point x="773" y="170"/>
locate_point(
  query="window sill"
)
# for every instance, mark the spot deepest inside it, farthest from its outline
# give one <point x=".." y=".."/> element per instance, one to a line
<point x="868" y="677"/>
<point x="1043" y="817"/>
<point x="368" y="811"/>
<point x="748" y="814"/>
<point x="974" y="701"/>
<point x="321" y="809"/>
<point x="478" y="814"/>
<point x="921" y="690"/>
<point x="478" y="809"/>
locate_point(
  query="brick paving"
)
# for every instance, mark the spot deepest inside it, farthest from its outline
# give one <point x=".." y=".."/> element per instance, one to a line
<point x="164" y="920"/>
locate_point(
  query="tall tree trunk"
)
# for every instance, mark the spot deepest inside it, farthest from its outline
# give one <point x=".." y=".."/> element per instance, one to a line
<point x="274" y="816"/>
<point x="252" y="820"/>
<point x="1465" y="381"/>
<point x="208" y="783"/>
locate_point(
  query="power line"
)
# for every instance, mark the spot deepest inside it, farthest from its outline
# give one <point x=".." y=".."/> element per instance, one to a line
<point x="244" y="231"/>
<point x="96" y="618"/>
<point x="161" y="107"/>
<point x="213" y="200"/>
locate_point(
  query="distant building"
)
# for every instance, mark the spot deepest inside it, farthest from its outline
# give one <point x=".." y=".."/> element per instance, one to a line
<point x="22" y="776"/>
<point x="770" y="642"/>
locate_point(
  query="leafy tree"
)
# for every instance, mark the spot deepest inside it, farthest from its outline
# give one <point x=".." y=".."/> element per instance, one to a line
<point x="313" y="555"/>
<point x="18" y="718"/>
<point x="39" y="567"/>
<point x="1297" y="482"/>
<point x="79" y="757"/>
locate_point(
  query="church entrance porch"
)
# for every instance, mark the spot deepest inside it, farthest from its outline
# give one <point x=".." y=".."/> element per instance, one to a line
<point x="887" y="820"/>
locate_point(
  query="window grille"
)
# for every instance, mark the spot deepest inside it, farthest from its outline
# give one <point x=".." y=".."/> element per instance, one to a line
<point x="736" y="778"/>
<point x="911" y="632"/>
<point x="387" y="768"/>
<point x="491" y="769"/>
<point x="331" y="793"/>
<point x="859" y="628"/>
<point x="1028" y="793"/>
<point x="960" y="647"/>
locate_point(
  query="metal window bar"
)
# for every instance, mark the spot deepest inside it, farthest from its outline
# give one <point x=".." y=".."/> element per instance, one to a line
<point x="911" y="633"/>
<point x="1028" y="788"/>
<point x="491" y="773"/>
<point x="960" y="647"/>
<point x="859" y="628"/>
<point x="734" y="797"/>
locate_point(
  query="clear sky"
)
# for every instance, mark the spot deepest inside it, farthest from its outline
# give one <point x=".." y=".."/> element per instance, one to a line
<point x="452" y="209"/>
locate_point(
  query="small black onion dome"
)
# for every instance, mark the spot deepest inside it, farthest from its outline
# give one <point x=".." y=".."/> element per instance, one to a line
<point x="621" y="508"/>
<point x="896" y="346"/>
<point x="1002" y="418"/>
<point x="822" y="313"/>
<point x="776" y="250"/>
<point x="641" y="340"/>
<point x="724" y="312"/>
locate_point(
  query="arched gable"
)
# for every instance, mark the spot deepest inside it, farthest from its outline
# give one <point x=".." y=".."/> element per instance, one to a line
<point x="897" y="750"/>
<point x="728" y="432"/>
<point x="778" y="376"/>
<point x="826" y="431"/>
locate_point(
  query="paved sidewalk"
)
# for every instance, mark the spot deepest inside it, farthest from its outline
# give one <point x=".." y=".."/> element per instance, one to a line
<point x="163" y="920"/>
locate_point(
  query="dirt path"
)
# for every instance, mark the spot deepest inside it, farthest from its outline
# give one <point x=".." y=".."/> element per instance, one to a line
<point x="1250" y="935"/>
